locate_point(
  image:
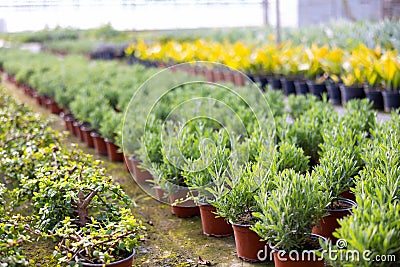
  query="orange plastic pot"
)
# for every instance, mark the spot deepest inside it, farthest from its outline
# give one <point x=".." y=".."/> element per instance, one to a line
<point x="248" y="244"/>
<point x="328" y="224"/>
<point x="213" y="226"/>
<point x="112" y="151"/>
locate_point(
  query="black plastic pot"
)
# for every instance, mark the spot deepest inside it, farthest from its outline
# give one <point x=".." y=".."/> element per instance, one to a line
<point x="301" y="87"/>
<point x="376" y="98"/>
<point x="334" y="94"/>
<point x="288" y="86"/>
<point x="391" y="100"/>
<point x="261" y="80"/>
<point x="351" y="92"/>
<point x="316" y="89"/>
<point x="275" y="83"/>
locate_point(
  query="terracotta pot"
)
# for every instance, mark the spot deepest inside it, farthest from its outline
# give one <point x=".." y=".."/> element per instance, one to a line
<point x="349" y="195"/>
<point x="99" y="144"/>
<point x="218" y="75"/>
<point x="160" y="195"/>
<point x="43" y="100"/>
<point x="77" y="125"/>
<point x="209" y="75"/>
<point x="351" y="92"/>
<point x="329" y="223"/>
<point x="228" y="76"/>
<point x="112" y="151"/>
<point x="248" y="244"/>
<point x="53" y="106"/>
<point x="140" y="175"/>
<point x="282" y="259"/>
<point x="213" y="226"/>
<point x="127" y="262"/>
<point x="85" y="130"/>
<point x="185" y="209"/>
<point x="127" y="162"/>
<point x="238" y="79"/>
<point x="69" y="121"/>
<point x="391" y="100"/>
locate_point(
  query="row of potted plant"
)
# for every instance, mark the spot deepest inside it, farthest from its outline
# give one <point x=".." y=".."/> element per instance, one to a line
<point x="310" y="141"/>
<point x="345" y="74"/>
<point x="66" y="195"/>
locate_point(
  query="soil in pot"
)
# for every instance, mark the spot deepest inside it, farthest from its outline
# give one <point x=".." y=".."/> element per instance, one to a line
<point x="351" y="92"/>
<point x="112" y="151"/>
<point x="284" y="259"/>
<point x="316" y="89"/>
<point x="349" y="195"/>
<point x="86" y="130"/>
<point x="127" y="262"/>
<point x="213" y="226"/>
<point x="248" y="244"/>
<point x="391" y="100"/>
<point x="338" y="209"/>
<point x="288" y="86"/>
<point x="99" y="144"/>
<point x="185" y="209"/>
<point x="301" y="87"/>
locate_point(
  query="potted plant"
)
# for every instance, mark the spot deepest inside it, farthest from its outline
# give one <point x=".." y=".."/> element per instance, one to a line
<point x="373" y="86"/>
<point x="238" y="203"/>
<point x="286" y="216"/>
<point x="99" y="243"/>
<point x="314" y="70"/>
<point x="389" y="70"/>
<point x="353" y="80"/>
<point x="334" y="173"/>
<point x="206" y="177"/>
<point x="109" y="125"/>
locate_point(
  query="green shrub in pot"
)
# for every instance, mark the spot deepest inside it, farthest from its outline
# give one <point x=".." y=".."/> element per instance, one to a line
<point x="374" y="225"/>
<point x="298" y="104"/>
<point x="110" y="124"/>
<point x="306" y="130"/>
<point x="288" y="213"/>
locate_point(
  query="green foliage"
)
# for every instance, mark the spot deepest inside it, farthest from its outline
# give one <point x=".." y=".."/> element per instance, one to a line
<point x="67" y="191"/>
<point x="298" y="104"/>
<point x="288" y="213"/>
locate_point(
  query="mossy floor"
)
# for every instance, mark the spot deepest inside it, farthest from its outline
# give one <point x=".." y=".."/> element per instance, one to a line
<point x="170" y="241"/>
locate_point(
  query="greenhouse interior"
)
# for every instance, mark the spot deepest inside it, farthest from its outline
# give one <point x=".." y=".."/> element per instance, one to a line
<point x="200" y="133"/>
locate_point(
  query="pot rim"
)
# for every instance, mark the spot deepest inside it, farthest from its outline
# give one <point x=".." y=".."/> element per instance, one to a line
<point x="111" y="263"/>
<point x="284" y="252"/>
<point x="344" y="200"/>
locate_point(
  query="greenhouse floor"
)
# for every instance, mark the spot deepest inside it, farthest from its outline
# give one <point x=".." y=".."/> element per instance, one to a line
<point x="169" y="241"/>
